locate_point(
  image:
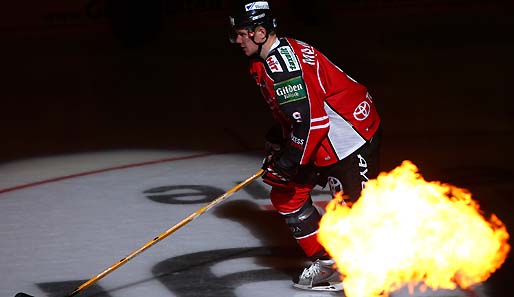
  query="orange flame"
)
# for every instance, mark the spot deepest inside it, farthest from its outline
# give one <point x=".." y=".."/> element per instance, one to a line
<point x="404" y="230"/>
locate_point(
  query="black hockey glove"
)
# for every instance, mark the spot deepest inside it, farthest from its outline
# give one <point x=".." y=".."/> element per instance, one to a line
<point x="278" y="172"/>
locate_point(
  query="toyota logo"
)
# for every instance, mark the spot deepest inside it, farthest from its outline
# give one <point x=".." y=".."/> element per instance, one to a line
<point x="362" y="111"/>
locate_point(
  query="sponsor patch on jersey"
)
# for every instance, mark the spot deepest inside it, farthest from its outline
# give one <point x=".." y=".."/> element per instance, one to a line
<point x="257" y="5"/>
<point x="289" y="58"/>
<point x="273" y="64"/>
<point x="290" y="90"/>
<point x="362" y="111"/>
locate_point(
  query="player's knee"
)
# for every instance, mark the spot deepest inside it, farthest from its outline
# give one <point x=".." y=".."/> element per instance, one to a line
<point x="304" y="221"/>
<point x="288" y="200"/>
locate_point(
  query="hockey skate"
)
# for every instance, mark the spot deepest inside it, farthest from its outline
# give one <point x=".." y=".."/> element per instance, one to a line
<point x="320" y="276"/>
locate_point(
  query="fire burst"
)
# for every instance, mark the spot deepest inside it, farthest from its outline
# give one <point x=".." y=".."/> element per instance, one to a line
<point x="404" y="230"/>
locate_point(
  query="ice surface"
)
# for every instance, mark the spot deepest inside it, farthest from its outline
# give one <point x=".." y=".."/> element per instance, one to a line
<point x="56" y="235"/>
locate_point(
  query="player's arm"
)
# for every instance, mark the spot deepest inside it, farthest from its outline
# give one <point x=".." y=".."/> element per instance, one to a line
<point x="294" y="104"/>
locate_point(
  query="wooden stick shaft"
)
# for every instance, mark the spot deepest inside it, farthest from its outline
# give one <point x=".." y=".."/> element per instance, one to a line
<point x="166" y="233"/>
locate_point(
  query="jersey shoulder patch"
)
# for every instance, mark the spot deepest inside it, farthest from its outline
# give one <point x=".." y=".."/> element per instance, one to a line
<point x="290" y="90"/>
<point x="274" y="64"/>
<point x="289" y="58"/>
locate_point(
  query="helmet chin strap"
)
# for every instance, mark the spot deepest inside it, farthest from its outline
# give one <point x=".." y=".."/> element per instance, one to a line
<point x="259" y="44"/>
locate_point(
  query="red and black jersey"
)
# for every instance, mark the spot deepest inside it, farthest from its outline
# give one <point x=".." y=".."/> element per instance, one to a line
<point x="326" y="114"/>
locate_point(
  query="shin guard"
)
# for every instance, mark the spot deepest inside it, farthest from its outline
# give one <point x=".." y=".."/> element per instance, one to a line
<point x="303" y="224"/>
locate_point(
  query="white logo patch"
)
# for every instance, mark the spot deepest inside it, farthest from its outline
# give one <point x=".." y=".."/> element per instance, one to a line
<point x="257" y="5"/>
<point x="362" y="111"/>
<point x="273" y="64"/>
<point x="297" y="116"/>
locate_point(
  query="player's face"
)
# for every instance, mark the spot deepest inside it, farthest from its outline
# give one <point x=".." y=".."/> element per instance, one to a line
<point x="244" y="40"/>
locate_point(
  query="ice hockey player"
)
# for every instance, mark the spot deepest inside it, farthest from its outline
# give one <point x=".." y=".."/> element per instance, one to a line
<point x="327" y="131"/>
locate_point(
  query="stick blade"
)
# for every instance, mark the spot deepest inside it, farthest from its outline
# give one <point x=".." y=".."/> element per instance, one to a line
<point x="21" y="294"/>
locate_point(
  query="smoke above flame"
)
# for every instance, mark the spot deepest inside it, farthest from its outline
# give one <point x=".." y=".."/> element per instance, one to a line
<point x="405" y="231"/>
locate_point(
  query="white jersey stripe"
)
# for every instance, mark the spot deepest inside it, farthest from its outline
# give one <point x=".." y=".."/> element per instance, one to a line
<point x="319" y="119"/>
<point x="320" y="126"/>
<point x="319" y="78"/>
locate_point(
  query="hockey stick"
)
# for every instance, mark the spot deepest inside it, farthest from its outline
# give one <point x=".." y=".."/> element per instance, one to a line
<point x="163" y="235"/>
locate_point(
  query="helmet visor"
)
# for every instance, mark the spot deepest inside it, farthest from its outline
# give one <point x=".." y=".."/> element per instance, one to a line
<point x="238" y="23"/>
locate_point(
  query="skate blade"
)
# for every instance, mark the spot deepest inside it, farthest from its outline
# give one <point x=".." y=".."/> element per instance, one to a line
<point x="330" y="288"/>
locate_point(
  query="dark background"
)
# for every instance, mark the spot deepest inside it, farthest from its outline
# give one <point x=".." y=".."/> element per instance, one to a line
<point x="97" y="74"/>
<point x="92" y="75"/>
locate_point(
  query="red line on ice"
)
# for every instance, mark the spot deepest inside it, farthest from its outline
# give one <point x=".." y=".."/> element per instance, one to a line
<point x="55" y="179"/>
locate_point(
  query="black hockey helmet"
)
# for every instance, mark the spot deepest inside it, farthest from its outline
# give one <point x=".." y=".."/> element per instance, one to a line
<point x="251" y="14"/>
